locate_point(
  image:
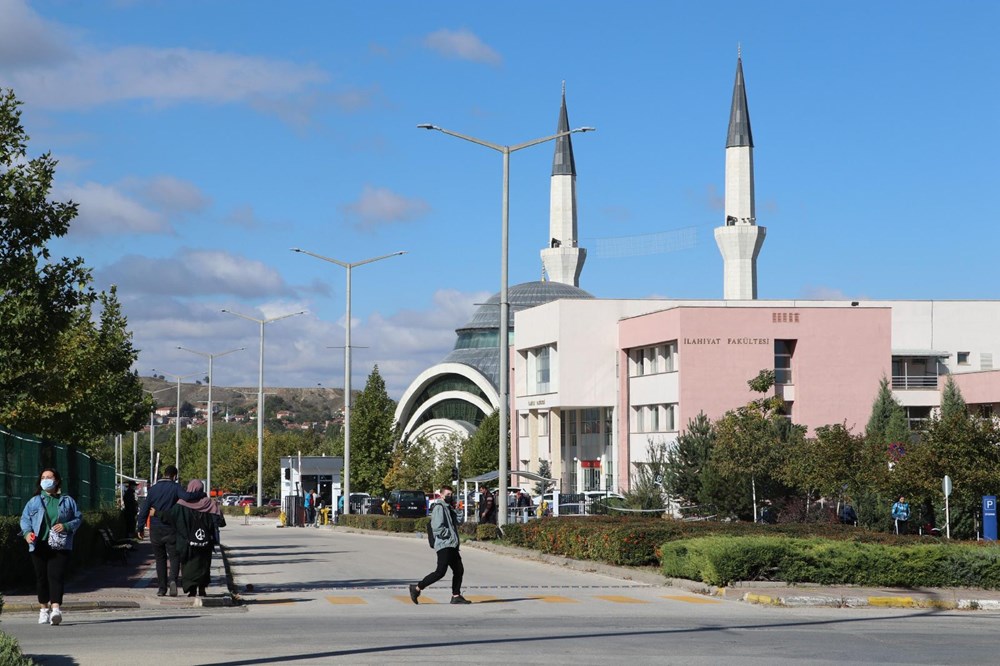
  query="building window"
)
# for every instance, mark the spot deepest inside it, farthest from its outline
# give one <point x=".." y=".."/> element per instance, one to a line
<point x="522" y="425"/>
<point x="917" y="417"/>
<point x="543" y="424"/>
<point x="538" y="370"/>
<point x="670" y="423"/>
<point x="653" y="360"/>
<point x="963" y="358"/>
<point x="670" y="356"/>
<point x="783" y="350"/>
<point x="542" y="370"/>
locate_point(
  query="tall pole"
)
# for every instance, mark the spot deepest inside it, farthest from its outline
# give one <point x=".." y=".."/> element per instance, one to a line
<point x="208" y="457"/>
<point x="152" y="437"/>
<point x="260" y="396"/>
<point x="135" y="454"/>
<point x="504" y="342"/>
<point x="347" y="365"/>
<point x="177" y="421"/>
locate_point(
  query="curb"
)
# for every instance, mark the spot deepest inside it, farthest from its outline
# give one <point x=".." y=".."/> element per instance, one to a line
<point x="74" y="606"/>
<point x="794" y="601"/>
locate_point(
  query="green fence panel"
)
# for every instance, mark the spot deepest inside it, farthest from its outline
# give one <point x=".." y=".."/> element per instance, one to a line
<point x="23" y="457"/>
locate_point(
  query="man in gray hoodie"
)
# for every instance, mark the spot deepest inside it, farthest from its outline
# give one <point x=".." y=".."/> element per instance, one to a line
<point x="444" y="526"/>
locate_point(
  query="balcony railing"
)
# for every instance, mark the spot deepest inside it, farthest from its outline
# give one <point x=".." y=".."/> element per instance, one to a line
<point x="914" y="381"/>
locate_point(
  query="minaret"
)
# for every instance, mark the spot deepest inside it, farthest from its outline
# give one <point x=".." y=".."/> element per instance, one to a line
<point x="562" y="259"/>
<point x="740" y="239"/>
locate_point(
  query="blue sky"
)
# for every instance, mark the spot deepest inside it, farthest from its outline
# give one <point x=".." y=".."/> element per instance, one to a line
<point x="203" y="140"/>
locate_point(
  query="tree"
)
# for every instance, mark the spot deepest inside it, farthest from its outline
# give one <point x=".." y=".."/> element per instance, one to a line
<point x="887" y="423"/>
<point x="413" y="466"/>
<point x="952" y="402"/>
<point x="373" y="436"/>
<point x="544" y="469"/>
<point x="687" y="460"/>
<point x="480" y="454"/>
<point x="63" y="375"/>
<point x="646" y="485"/>
<point x="747" y="440"/>
<point x="826" y="464"/>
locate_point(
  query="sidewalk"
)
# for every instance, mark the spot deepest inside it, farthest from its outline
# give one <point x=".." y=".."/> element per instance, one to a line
<point x="776" y="593"/>
<point x="132" y="585"/>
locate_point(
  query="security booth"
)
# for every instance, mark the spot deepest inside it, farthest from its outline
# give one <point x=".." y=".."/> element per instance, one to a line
<point x="300" y="474"/>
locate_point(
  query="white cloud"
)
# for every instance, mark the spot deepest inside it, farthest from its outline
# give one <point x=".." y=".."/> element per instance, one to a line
<point x="28" y="40"/>
<point x="821" y="293"/>
<point x="195" y="273"/>
<point x="173" y="194"/>
<point x="106" y="210"/>
<point x="378" y="206"/>
<point x="298" y="349"/>
<point x="463" y="45"/>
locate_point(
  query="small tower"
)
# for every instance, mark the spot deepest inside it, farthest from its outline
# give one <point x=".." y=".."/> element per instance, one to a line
<point x="563" y="259"/>
<point x="740" y="239"/>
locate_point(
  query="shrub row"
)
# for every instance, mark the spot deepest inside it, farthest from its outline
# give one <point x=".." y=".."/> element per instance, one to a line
<point x="720" y="560"/>
<point x="636" y="541"/>
<point x="408" y="525"/>
<point x="254" y="511"/>
<point x="88" y="546"/>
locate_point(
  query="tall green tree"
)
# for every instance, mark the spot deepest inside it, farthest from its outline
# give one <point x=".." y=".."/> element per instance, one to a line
<point x="686" y="462"/>
<point x="747" y="440"/>
<point x="373" y="436"/>
<point x="481" y="453"/>
<point x="544" y="469"/>
<point x="952" y="402"/>
<point x="64" y="369"/>
<point x="887" y="423"/>
<point x="646" y="485"/>
<point x="413" y="466"/>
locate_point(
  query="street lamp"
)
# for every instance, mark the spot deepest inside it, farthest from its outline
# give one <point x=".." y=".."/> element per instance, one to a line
<point x="177" y="421"/>
<point x="210" y="357"/>
<point x="347" y="364"/>
<point x="504" y="343"/>
<point x="152" y="430"/>
<point x="260" y="395"/>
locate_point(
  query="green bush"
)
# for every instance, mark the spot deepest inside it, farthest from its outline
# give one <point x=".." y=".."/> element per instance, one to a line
<point x="486" y="531"/>
<point x="721" y="560"/>
<point x="10" y="652"/>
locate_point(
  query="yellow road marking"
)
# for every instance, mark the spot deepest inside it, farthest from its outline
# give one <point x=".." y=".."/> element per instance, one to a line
<point x="892" y="602"/>
<point x="346" y="600"/>
<point x="555" y="599"/>
<point x="691" y="600"/>
<point x="614" y="598"/>
<point x="406" y="599"/>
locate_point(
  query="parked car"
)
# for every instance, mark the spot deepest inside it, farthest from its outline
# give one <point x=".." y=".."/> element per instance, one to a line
<point x="276" y="502"/>
<point x="230" y="499"/>
<point x="407" y="504"/>
<point x="247" y="500"/>
<point x="373" y="505"/>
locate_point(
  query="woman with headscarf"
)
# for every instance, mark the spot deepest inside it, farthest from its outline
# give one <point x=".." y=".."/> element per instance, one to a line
<point x="48" y="523"/>
<point x="197" y="524"/>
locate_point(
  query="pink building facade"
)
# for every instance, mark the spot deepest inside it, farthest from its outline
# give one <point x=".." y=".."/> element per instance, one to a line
<point x="828" y="363"/>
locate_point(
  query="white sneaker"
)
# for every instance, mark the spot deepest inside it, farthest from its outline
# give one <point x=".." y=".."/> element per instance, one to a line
<point x="55" y="617"/>
<point x="43" y="616"/>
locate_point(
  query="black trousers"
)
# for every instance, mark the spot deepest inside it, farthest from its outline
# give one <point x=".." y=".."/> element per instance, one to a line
<point x="447" y="557"/>
<point x="164" y="541"/>
<point x="50" y="572"/>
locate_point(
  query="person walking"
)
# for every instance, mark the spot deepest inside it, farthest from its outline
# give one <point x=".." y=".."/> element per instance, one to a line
<point x="197" y="527"/>
<point x="307" y="504"/>
<point x="444" y="525"/>
<point x="48" y="522"/>
<point x="487" y="506"/>
<point x="129" y="508"/>
<point x="162" y="496"/>
<point x="901" y="515"/>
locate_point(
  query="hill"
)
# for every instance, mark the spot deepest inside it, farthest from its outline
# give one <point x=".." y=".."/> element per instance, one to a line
<point x="307" y="404"/>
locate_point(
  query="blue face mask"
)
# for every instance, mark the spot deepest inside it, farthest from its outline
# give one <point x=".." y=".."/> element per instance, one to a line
<point x="48" y="484"/>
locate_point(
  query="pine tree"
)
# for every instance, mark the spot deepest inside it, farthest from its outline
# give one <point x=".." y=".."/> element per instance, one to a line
<point x="887" y="423"/>
<point x="952" y="402"/>
<point x="481" y="454"/>
<point x="688" y="459"/>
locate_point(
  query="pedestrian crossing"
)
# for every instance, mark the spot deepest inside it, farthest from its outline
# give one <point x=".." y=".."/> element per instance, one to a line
<point x="427" y="598"/>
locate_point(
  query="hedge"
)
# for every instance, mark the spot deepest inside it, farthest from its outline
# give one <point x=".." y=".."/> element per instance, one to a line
<point x="636" y="541"/>
<point x="382" y="523"/>
<point x="721" y="560"/>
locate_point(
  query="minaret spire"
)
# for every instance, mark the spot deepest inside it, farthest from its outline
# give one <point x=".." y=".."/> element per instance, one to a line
<point x="740" y="239"/>
<point x="562" y="259"/>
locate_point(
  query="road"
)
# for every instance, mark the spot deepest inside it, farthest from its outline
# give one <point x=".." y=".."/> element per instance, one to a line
<point x="325" y="596"/>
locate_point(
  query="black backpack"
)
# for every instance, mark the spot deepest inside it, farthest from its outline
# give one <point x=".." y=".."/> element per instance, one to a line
<point x="430" y="534"/>
<point x="202" y="529"/>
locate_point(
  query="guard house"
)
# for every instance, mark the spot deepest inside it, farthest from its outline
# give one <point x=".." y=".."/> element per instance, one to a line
<point x="302" y="473"/>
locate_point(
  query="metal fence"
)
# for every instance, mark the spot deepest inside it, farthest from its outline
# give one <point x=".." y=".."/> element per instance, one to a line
<point x="23" y="457"/>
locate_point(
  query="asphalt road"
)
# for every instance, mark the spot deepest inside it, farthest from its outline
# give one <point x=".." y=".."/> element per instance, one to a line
<point x="322" y="596"/>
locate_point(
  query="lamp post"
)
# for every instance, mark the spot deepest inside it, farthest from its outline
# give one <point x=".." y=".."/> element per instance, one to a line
<point x="177" y="421"/>
<point x="260" y="394"/>
<point x="347" y="364"/>
<point x="210" y="357"/>
<point x="504" y="343"/>
<point x="152" y="431"/>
